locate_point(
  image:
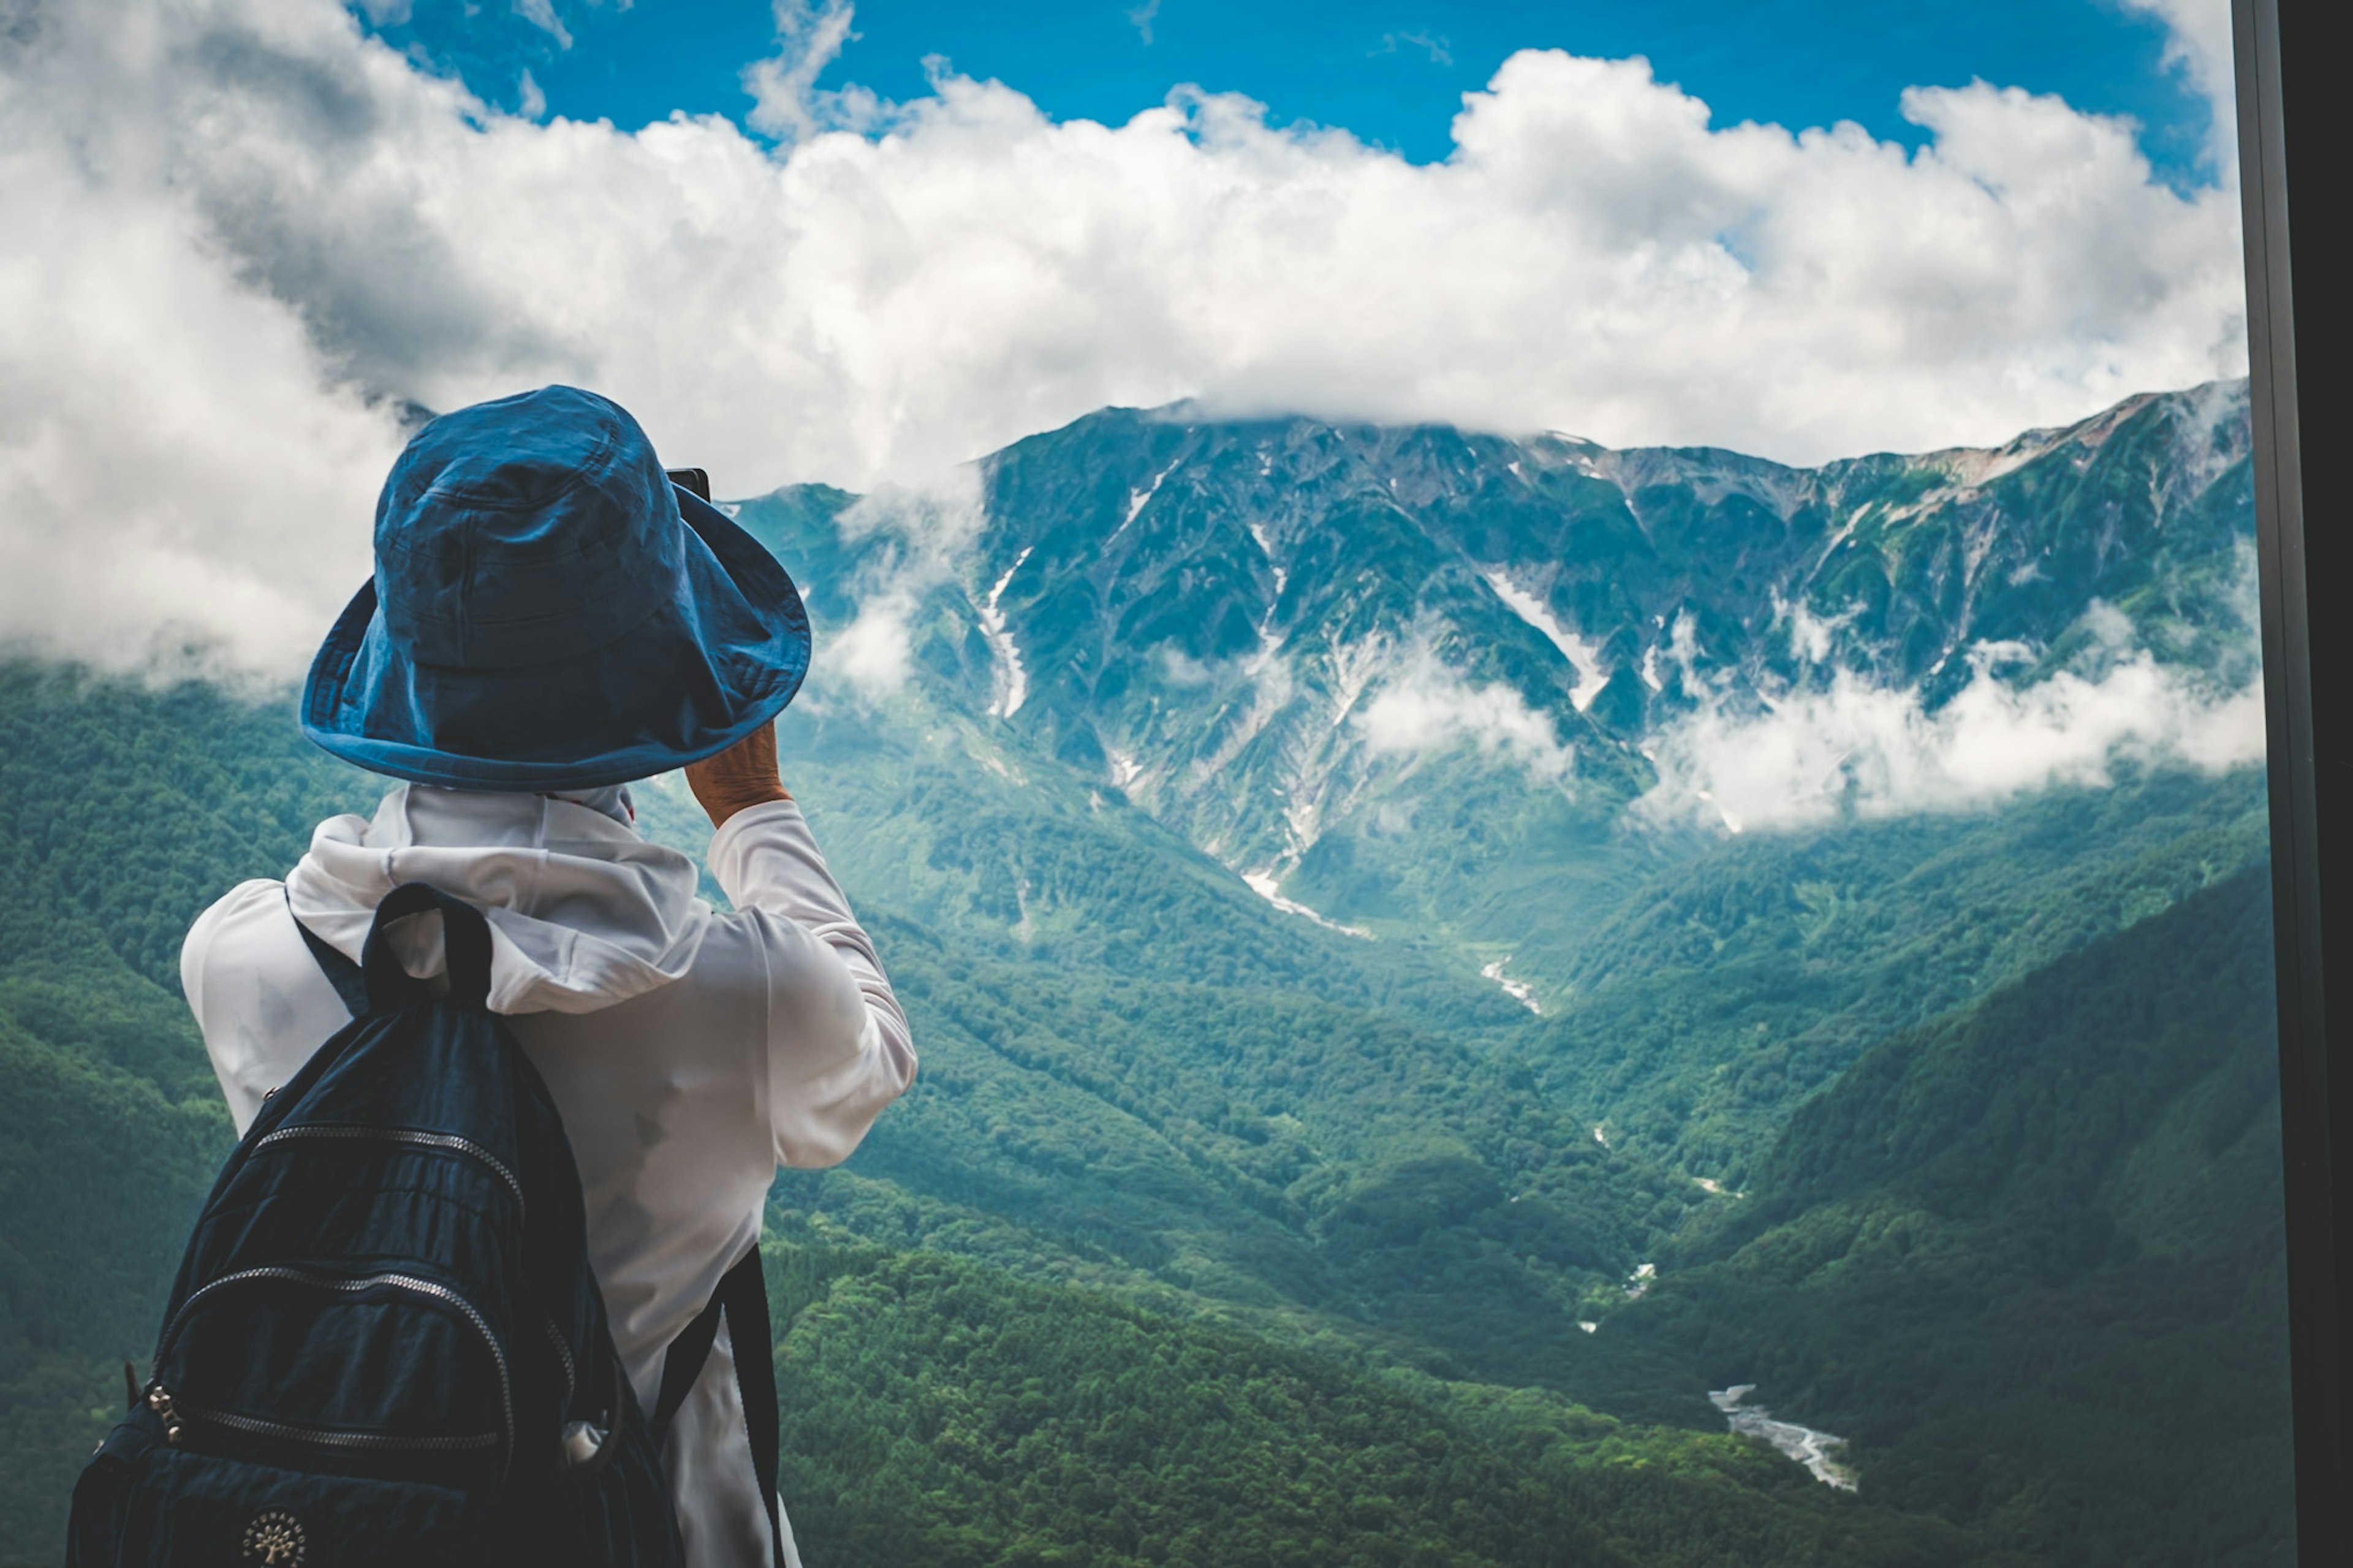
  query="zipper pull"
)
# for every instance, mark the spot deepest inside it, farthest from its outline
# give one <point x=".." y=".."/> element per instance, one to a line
<point x="158" y="1400"/>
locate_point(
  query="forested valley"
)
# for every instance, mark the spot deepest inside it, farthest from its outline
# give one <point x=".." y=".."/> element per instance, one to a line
<point x="1206" y="1237"/>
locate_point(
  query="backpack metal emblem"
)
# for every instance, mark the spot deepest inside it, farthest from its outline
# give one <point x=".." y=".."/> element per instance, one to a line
<point x="274" y="1539"/>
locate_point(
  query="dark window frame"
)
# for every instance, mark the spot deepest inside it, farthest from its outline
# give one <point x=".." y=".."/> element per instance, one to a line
<point x="2287" y="108"/>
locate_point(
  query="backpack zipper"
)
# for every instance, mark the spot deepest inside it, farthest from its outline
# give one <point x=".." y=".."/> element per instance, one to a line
<point x="564" y="1355"/>
<point x="361" y="1131"/>
<point x="175" y="1415"/>
<point x="352" y="1286"/>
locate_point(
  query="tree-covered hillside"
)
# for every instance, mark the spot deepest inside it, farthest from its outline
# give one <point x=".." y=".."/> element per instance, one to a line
<point x="939" y="1411"/>
<point x="123" y="813"/>
<point x="1729" y="986"/>
<point x="2029" y="1257"/>
<point x="1274" y="1249"/>
<point x="1071" y="1158"/>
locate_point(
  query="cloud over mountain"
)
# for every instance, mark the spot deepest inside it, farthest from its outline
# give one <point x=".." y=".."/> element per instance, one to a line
<point x="1425" y="706"/>
<point x="256" y="228"/>
<point x="1881" y="750"/>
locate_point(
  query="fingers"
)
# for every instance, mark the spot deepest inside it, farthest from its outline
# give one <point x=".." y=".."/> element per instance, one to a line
<point x="744" y="774"/>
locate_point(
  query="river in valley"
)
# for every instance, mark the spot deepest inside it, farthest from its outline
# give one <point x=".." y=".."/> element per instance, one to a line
<point x="1803" y="1444"/>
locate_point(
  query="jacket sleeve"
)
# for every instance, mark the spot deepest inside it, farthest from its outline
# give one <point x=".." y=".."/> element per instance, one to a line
<point x="258" y="998"/>
<point x="839" y="1048"/>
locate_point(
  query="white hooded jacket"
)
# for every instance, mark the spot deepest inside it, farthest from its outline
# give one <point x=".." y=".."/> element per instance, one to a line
<point x="690" y="1052"/>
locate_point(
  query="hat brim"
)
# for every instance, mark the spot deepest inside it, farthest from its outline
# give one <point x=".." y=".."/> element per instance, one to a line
<point x="724" y="655"/>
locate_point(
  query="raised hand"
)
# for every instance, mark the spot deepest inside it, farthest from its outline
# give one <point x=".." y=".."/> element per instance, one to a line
<point x="744" y="774"/>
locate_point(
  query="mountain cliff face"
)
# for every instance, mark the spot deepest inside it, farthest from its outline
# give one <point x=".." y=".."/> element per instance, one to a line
<point x="1415" y="675"/>
<point x="1132" y="553"/>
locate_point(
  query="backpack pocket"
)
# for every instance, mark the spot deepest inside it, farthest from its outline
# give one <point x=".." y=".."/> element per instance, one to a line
<point x="196" y="1510"/>
<point x="290" y="1363"/>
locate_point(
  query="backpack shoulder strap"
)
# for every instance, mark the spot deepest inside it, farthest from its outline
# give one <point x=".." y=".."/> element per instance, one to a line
<point x="340" y="971"/>
<point x="378" y="980"/>
<point x="742" y="1296"/>
<point x="745" y="1290"/>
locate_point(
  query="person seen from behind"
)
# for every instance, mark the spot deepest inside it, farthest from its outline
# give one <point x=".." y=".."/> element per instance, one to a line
<point x="550" y="621"/>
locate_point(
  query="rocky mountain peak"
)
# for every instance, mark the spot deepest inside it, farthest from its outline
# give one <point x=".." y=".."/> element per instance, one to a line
<point x="1270" y="631"/>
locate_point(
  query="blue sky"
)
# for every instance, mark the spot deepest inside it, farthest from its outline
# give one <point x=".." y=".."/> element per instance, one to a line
<point x="1392" y="72"/>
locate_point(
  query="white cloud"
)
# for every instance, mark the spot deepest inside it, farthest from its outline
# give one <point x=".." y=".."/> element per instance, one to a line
<point x="175" y="468"/>
<point x="1437" y="49"/>
<point x="935" y="517"/>
<point x="926" y="528"/>
<point x="874" y="652"/>
<point x="1426" y="707"/>
<point x="1810" y="635"/>
<point x="1881" y="751"/>
<point x="784" y="99"/>
<point x="300" y="211"/>
<point x="1795" y="759"/>
<point x="1180" y="668"/>
<point x="541" y="14"/>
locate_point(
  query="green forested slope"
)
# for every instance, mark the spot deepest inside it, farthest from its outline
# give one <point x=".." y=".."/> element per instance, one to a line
<point x="123" y="813"/>
<point x="2028" y="1257"/>
<point x="1731" y="985"/>
<point x="1271" y="1150"/>
<point x="938" y="1412"/>
<point x="1264" y="1233"/>
<point x="1071" y="1129"/>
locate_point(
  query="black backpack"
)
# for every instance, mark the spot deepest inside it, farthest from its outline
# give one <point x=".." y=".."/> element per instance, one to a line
<point x="384" y="1346"/>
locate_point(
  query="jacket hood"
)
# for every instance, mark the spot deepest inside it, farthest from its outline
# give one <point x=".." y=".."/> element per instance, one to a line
<point x="582" y="912"/>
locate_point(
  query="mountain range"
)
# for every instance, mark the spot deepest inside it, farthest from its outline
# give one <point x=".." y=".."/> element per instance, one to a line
<point x="1321" y="653"/>
<point x="1370" y="1098"/>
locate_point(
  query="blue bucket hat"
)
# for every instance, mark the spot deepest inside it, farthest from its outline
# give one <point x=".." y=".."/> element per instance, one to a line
<point x="549" y="612"/>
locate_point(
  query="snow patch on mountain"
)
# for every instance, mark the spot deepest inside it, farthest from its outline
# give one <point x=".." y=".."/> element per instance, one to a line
<point x="1585" y="657"/>
<point x="1266" y="547"/>
<point x="1264" y="885"/>
<point x="1137" y="498"/>
<point x="1354" y="668"/>
<point x="1519" y="991"/>
<point x="1012" y="680"/>
<point x="1649" y="670"/>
